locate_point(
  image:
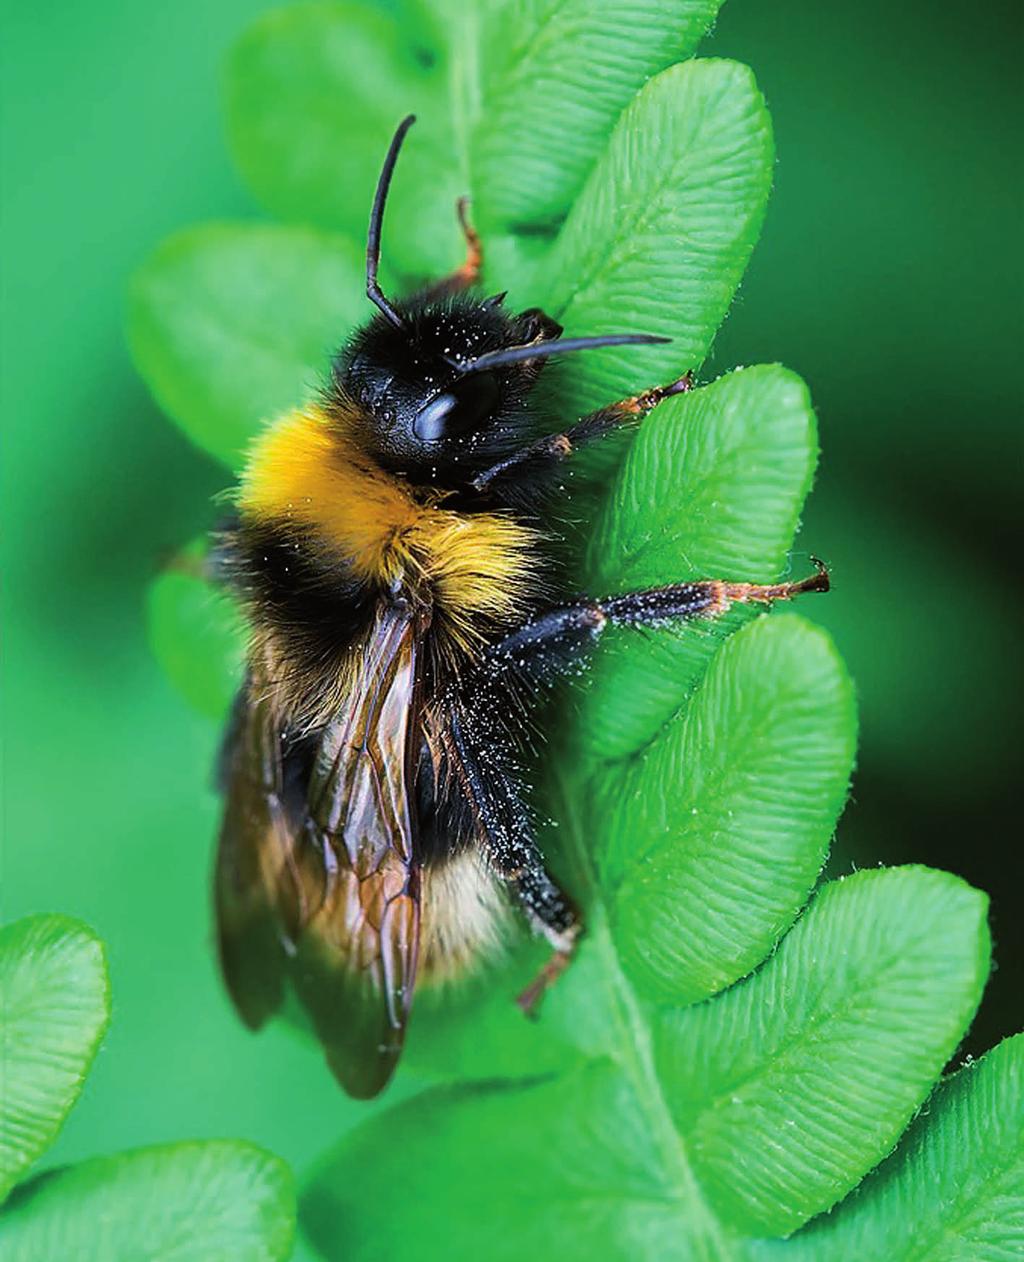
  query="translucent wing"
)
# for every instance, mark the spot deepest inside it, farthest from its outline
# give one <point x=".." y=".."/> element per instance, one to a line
<point x="356" y="962"/>
<point x="317" y="877"/>
<point x="255" y="860"/>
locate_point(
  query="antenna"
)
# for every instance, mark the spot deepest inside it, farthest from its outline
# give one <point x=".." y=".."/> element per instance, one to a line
<point x="556" y="346"/>
<point x="373" y="290"/>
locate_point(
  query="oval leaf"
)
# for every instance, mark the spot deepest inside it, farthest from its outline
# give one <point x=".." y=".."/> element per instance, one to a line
<point x="563" y="1170"/>
<point x="314" y="93"/>
<point x="553" y="79"/>
<point x="232" y="324"/>
<point x="953" y="1192"/>
<point x="54" y="1008"/>
<point x="218" y="1201"/>
<point x="722" y="826"/>
<point x="664" y="228"/>
<point x="791" y="1086"/>
<point x="196" y="634"/>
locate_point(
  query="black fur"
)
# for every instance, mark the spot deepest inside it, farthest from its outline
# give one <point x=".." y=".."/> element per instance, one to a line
<point x="398" y="378"/>
<point x="316" y="608"/>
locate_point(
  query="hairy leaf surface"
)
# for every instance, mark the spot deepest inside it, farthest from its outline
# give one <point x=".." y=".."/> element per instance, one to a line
<point x="794" y="1084"/>
<point x="664" y="227"/>
<point x="952" y="1192"/>
<point x="216" y="1201"/>
<point x="711" y="488"/>
<point x="544" y="116"/>
<point x="734" y="1119"/>
<point x="715" y="834"/>
<point x="54" y="1008"/>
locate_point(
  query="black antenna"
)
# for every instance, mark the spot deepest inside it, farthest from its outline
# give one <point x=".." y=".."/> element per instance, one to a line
<point x="556" y="346"/>
<point x="373" y="291"/>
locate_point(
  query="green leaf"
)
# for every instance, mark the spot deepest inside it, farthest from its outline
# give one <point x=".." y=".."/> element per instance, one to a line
<point x="953" y="1192"/>
<point x="790" y="1087"/>
<point x="54" y="1008"/>
<point x="662" y="232"/>
<point x="314" y="92"/>
<point x="563" y="1169"/>
<point x="719" y="830"/>
<point x="196" y="633"/>
<point x="216" y="1201"/>
<point x="233" y="324"/>
<point x="712" y="488"/>
<point x="552" y="78"/>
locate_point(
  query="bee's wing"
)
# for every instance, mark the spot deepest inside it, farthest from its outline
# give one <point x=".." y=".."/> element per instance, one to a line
<point x="325" y="891"/>
<point x="256" y="857"/>
<point x="355" y="965"/>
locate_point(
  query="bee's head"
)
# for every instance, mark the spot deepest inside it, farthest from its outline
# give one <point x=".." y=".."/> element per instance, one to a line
<point x="432" y="391"/>
<point x="440" y="381"/>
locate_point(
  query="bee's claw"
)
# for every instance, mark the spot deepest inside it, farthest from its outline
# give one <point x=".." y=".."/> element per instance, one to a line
<point x="682" y="385"/>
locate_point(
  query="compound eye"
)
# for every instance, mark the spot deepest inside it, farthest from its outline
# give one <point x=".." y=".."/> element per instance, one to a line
<point x="457" y="411"/>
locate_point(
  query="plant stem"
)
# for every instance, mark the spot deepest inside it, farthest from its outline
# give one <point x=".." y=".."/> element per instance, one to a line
<point x="636" y="1053"/>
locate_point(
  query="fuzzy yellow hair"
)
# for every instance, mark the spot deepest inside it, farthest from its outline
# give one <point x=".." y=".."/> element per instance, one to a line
<point x="307" y="472"/>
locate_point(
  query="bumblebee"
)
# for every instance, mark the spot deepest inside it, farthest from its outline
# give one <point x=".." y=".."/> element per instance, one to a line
<point x="390" y="552"/>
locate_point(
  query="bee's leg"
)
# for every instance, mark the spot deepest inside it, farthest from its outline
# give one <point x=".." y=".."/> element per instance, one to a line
<point x="478" y="745"/>
<point x="468" y="274"/>
<point x="552" y="915"/>
<point x="556" y="641"/>
<point x="554" y="448"/>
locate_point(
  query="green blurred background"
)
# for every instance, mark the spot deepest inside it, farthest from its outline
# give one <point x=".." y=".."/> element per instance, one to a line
<point x="889" y="275"/>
